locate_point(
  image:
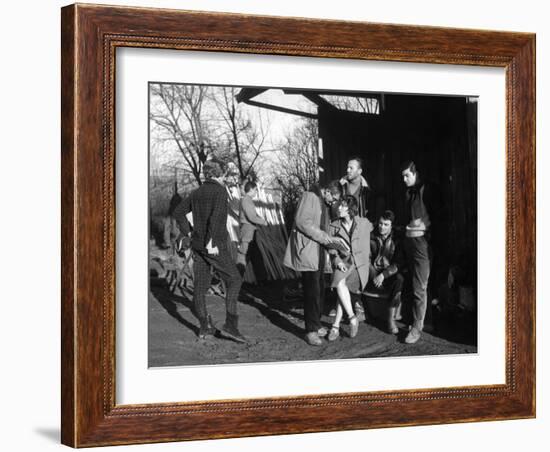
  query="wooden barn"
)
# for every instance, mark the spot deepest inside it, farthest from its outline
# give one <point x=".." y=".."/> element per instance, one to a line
<point x="439" y="133"/>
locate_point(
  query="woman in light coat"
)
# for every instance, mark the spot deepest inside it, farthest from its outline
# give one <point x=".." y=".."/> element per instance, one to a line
<point x="351" y="272"/>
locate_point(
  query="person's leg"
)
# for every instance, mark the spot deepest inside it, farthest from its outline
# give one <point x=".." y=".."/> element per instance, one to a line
<point x="419" y="264"/>
<point x="312" y="315"/>
<point x="242" y="251"/>
<point x="344" y="297"/>
<point x="393" y="285"/>
<point x="338" y="316"/>
<point x="345" y="301"/>
<point x="335" y="330"/>
<point x="229" y="274"/>
<point x="202" y="277"/>
<point x="322" y="293"/>
<point x="246" y="235"/>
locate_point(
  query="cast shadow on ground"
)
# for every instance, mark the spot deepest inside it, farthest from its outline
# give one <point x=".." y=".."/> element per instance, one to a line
<point x="274" y="317"/>
<point x="273" y="309"/>
<point x="170" y="301"/>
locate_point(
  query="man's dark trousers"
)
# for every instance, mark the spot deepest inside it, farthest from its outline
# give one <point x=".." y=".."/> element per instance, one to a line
<point x="226" y="268"/>
<point x="392" y="284"/>
<point x="314" y="294"/>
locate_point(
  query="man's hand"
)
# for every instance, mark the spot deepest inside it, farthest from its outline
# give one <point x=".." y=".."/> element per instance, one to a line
<point x="378" y="280"/>
<point x="342" y="267"/>
<point x="212" y="250"/>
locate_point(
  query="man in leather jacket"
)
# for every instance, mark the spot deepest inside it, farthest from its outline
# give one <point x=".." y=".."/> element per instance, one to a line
<point x="386" y="263"/>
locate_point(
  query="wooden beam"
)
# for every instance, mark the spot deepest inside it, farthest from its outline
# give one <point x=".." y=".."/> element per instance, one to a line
<point x="281" y="109"/>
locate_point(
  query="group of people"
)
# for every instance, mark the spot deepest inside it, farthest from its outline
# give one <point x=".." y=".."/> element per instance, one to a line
<point x="331" y="235"/>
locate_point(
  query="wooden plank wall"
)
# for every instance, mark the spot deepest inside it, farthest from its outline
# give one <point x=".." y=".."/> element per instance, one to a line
<point x="439" y="133"/>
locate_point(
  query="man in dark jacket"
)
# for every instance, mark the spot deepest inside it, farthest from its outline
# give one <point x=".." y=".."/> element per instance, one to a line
<point x="422" y="207"/>
<point x="209" y="241"/>
<point x="386" y="261"/>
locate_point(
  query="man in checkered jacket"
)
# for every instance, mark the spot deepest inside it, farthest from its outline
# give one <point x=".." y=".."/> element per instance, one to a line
<point x="209" y="241"/>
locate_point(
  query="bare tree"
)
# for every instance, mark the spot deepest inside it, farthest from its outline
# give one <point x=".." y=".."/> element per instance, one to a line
<point x="351" y="103"/>
<point x="298" y="167"/>
<point x="244" y="140"/>
<point x="180" y="116"/>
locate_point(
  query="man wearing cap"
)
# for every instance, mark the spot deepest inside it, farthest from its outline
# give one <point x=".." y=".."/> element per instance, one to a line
<point x="209" y="242"/>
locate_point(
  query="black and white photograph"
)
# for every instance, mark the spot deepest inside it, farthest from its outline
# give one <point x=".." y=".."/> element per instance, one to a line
<point x="293" y="224"/>
<point x="276" y="226"/>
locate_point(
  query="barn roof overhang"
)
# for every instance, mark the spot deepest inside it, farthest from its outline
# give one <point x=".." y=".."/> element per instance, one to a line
<point x="318" y="97"/>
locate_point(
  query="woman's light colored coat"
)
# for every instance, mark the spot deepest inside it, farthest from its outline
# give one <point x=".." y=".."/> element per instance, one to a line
<point x="359" y="245"/>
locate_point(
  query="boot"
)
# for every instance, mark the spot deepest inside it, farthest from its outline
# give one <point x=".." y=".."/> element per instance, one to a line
<point x="230" y="328"/>
<point x="312" y="338"/>
<point x="392" y="327"/>
<point x="413" y="336"/>
<point x="206" y="329"/>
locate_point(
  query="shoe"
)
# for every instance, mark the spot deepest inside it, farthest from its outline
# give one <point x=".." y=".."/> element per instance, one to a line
<point x="313" y="338"/>
<point x="206" y="332"/>
<point x="392" y="327"/>
<point x="233" y="333"/>
<point x="231" y="330"/>
<point x="353" y="326"/>
<point x="359" y="311"/>
<point x="322" y="332"/>
<point x="207" y="329"/>
<point x="334" y="333"/>
<point x="332" y="313"/>
<point x="413" y="336"/>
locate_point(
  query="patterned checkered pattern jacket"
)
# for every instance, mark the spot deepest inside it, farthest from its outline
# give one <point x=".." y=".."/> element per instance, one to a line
<point x="209" y="206"/>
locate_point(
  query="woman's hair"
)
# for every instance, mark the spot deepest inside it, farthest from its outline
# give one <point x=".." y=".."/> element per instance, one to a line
<point x="352" y="205"/>
<point x="335" y="187"/>
<point x="315" y="188"/>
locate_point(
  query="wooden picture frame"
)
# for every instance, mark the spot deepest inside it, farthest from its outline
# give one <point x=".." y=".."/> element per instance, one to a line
<point x="90" y="36"/>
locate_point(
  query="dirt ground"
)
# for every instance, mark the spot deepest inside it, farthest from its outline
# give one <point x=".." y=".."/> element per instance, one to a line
<point x="274" y="327"/>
